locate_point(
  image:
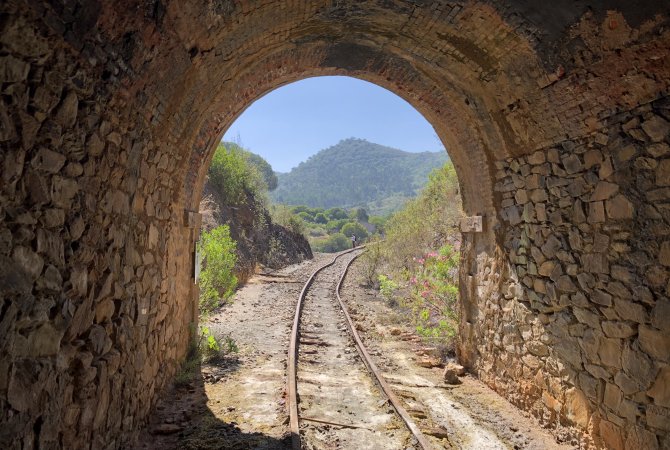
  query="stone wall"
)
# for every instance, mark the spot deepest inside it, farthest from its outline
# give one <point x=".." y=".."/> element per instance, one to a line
<point x="90" y="328"/>
<point x="579" y="331"/>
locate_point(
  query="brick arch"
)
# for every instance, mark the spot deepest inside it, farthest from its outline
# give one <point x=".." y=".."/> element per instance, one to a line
<point x="453" y="120"/>
<point x="557" y="119"/>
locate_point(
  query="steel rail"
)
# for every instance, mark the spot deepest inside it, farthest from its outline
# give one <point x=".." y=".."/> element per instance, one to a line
<point x="395" y="401"/>
<point x="293" y="354"/>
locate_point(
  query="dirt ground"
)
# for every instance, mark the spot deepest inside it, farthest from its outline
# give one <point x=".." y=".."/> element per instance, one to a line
<point x="238" y="402"/>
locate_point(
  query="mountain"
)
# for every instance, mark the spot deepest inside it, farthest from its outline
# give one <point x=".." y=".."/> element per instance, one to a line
<point x="357" y="173"/>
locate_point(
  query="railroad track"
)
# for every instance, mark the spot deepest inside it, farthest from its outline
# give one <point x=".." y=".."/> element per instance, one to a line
<point x="337" y="396"/>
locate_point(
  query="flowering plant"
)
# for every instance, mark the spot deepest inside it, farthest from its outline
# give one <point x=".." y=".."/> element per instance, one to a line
<point x="434" y="293"/>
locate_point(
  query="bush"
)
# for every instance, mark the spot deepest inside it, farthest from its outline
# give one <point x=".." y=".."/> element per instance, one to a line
<point x="232" y="175"/>
<point x="426" y="222"/>
<point x="321" y="218"/>
<point x="379" y="223"/>
<point x="337" y="213"/>
<point x="435" y="293"/>
<point x="217" y="280"/>
<point x="283" y="216"/>
<point x="387" y="287"/>
<point x="360" y="215"/>
<point x="304" y="215"/>
<point x="372" y="259"/>
<point x="212" y="347"/>
<point x="335" y="243"/>
<point x="334" y="226"/>
<point x="356" y="229"/>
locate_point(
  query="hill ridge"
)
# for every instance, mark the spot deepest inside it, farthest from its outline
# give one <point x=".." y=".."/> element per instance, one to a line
<point x="357" y="173"/>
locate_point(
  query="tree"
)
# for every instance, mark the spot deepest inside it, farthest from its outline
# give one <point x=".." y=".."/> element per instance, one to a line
<point x="232" y="175"/>
<point x="335" y="243"/>
<point x="320" y="218"/>
<point x="257" y="162"/>
<point x="379" y="223"/>
<point x="356" y="229"/>
<point x="337" y="213"/>
<point x="335" y="226"/>
<point x="360" y="214"/>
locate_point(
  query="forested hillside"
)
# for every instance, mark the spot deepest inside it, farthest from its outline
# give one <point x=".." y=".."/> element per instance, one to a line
<point x="356" y="172"/>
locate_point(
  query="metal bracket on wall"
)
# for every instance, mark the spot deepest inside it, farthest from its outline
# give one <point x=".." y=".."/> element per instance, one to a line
<point x="472" y="224"/>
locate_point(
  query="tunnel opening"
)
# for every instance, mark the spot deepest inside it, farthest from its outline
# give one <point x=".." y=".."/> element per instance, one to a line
<point x="229" y="402"/>
<point x="561" y="147"/>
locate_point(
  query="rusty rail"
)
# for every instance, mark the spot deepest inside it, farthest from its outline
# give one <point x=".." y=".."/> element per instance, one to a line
<point x="395" y="401"/>
<point x="293" y="354"/>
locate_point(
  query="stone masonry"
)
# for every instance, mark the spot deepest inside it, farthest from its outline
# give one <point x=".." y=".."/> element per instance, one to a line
<point x="556" y="118"/>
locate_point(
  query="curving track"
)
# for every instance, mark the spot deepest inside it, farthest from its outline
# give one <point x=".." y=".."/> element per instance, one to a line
<point x="343" y="401"/>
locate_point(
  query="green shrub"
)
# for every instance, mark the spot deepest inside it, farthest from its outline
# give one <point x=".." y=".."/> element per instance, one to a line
<point x="231" y="174"/>
<point x="426" y="222"/>
<point x="337" y="213"/>
<point x="263" y="167"/>
<point x="434" y="294"/>
<point x="217" y="280"/>
<point x="283" y="216"/>
<point x="372" y="260"/>
<point x="356" y="229"/>
<point x="334" y="243"/>
<point x="304" y="215"/>
<point x="321" y="218"/>
<point x="359" y="214"/>
<point x="379" y="223"/>
<point x="387" y="287"/>
<point x="334" y="226"/>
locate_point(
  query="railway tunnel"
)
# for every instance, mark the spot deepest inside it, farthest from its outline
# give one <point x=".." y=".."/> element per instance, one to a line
<point x="557" y="119"/>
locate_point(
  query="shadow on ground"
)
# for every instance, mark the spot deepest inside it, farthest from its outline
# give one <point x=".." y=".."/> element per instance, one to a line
<point x="182" y="420"/>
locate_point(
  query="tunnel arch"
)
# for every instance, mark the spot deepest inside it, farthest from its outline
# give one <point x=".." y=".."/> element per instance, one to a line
<point x="557" y="121"/>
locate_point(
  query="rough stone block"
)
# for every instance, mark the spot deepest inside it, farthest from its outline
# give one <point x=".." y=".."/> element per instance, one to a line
<point x="603" y="191"/>
<point x="601" y="298"/>
<point x="611" y="435"/>
<point x="660" y="315"/>
<point x="654" y="342"/>
<point x="48" y="161"/>
<point x="596" y="212"/>
<point x="628" y="310"/>
<point x="610" y="352"/>
<point x="620" y="208"/>
<point x="640" y="438"/>
<point x="618" y="329"/>
<point x="592" y="158"/>
<point x="658" y="417"/>
<point x="663" y="173"/>
<point x="664" y="254"/>
<point x="660" y="391"/>
<point x="536" y="158"/>
<point x="612" y="397"/>
<point x="595" y="263"/>
<point x="577" y="408"/>
<point x="656" y="128"/>
<point x="627" y="384"/>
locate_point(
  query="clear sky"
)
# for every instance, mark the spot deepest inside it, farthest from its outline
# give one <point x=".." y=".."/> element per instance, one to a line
<point x="295" y="121"/>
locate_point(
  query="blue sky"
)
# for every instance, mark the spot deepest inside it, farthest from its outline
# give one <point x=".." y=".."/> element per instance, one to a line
<point x="295" y="121"/>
